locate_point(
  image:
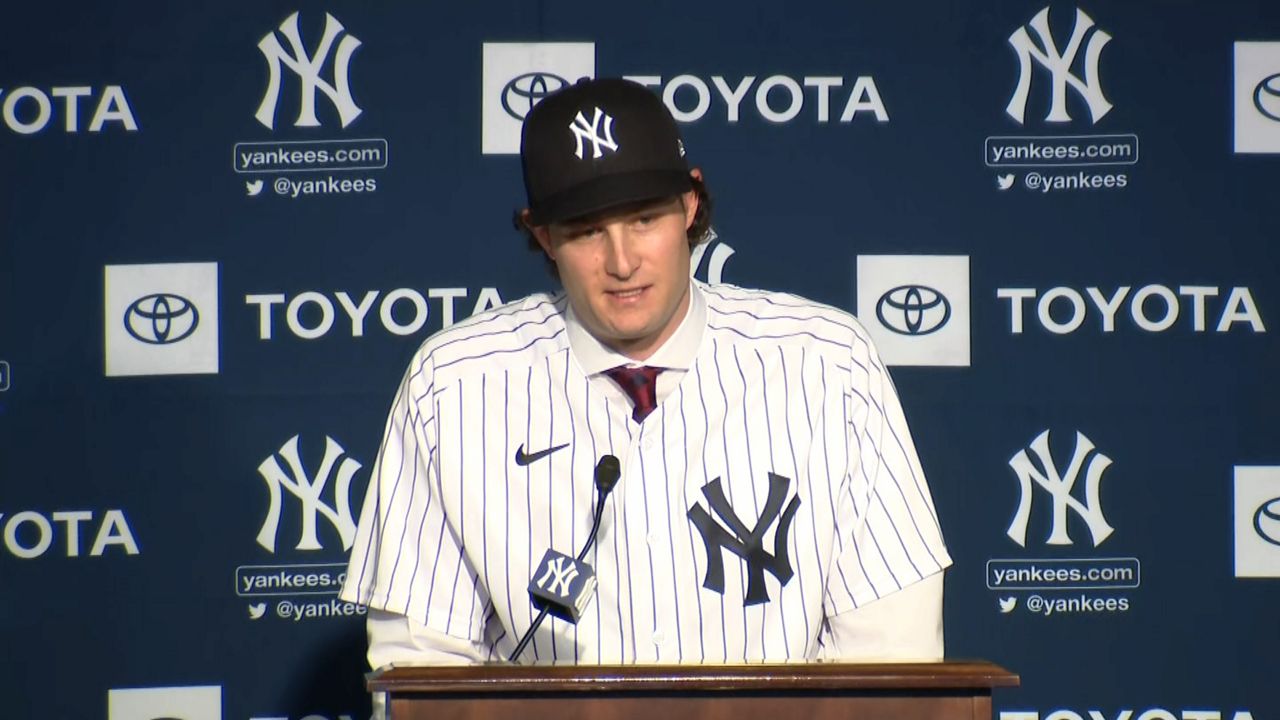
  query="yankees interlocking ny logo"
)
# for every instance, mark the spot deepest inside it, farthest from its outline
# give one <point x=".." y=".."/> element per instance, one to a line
<point x="1059" y="485"/>
<point x="308" y="68"/>
<point x="747" y="544"/>
<point x="1058" y="64"/>
<point x="559" y="577"/>
<point x="308" y="491"/>
<point x="590" y="131"/>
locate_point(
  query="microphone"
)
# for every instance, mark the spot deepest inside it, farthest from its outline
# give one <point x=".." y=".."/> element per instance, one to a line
<point x="565" y="585"/>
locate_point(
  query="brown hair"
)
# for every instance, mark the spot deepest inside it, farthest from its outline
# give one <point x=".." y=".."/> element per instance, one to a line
<point x="699" y="231"/>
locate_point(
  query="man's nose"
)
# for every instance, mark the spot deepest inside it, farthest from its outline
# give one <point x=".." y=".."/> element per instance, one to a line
<point x="620" y="259"/>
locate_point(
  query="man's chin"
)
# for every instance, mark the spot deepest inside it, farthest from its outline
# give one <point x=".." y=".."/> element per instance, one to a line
<point x="629" y="325"/>
<point x="624" y="338"/>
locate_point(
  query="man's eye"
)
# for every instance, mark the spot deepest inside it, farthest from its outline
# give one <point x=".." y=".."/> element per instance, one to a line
<point x="582" y="232"/>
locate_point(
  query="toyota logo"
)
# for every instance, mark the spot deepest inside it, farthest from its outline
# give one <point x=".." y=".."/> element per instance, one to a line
<point x="1266" y="97"/>
<point x="913" y="310"/>
<point x="1266" y="521"/>
<point x="523" y="92"/>
<point x="161" y="319"/>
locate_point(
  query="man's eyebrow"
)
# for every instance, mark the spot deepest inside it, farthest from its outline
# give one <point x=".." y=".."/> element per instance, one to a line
<point x="628" y="209"/>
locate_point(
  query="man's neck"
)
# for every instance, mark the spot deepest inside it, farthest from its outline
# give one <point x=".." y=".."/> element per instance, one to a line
<point x="676" y="350"/>
<point x="643" y="348"/>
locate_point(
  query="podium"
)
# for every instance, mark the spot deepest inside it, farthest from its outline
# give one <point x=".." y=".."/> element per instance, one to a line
<point x="821" y="691"/>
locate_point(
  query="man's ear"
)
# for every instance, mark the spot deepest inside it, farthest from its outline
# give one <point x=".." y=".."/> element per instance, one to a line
<point x="691" y="200"/>
<point x="540" y="233"/>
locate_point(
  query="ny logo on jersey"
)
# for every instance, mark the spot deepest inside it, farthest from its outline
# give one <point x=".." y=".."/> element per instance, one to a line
<point x="307" y="68"/>
<point x="590" y="131"/>
<point x="1059" y="487"/>
<point x="308" y="492"/>
<point x="1059" y="66"/>
<point x="557" y="578"/>
<point x="747" y="544"/>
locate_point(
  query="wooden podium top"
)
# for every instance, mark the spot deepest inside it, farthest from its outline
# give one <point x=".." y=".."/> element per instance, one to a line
<point x="800" y="676"/>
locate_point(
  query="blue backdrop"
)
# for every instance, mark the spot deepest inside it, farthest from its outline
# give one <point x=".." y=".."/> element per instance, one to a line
<point x="226" y="228"/>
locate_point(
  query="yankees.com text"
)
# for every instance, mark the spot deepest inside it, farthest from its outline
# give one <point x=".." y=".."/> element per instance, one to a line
<point x="267" y="580"/>
<point x="1066" y="574"/>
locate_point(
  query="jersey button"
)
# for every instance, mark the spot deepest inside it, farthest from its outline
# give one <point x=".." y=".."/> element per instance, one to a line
<point x="658" y="637"/>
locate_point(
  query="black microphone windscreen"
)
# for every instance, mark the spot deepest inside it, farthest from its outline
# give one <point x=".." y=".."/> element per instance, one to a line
<point x="608" y="470"/>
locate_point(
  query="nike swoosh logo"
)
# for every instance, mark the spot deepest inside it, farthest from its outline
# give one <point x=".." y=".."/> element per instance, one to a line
<point x="522" y="459"/>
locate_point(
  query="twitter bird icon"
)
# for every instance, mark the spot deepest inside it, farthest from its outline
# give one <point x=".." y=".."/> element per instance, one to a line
<point x="257" y="611"/>
<point x="1004" y="182"/>
<point x="1008" y="604"/>
<point x="253" y="188"/>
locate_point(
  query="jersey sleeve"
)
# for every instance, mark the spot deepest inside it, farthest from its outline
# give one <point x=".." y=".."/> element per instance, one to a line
<point x="888" y="536"/>
<point x="407" y="557"/>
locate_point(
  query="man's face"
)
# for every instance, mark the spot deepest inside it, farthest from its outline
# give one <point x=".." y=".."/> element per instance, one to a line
<point x="626" y="270"/>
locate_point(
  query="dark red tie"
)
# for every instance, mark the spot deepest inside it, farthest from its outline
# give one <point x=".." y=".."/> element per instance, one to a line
<point x="641" y="385"/>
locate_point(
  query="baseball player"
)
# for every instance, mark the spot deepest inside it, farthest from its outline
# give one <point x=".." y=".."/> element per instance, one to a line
<point x="771" y="505"/>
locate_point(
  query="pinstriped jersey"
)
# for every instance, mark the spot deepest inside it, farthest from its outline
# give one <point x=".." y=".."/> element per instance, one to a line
<point x="775" y="486"/>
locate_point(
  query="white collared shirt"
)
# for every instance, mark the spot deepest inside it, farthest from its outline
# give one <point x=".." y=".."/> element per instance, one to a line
<point x="675" y="356"/>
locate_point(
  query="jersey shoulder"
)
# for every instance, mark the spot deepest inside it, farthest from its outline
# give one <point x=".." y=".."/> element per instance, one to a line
<point x="737" y="314"/>
<point x="522" y="331"/>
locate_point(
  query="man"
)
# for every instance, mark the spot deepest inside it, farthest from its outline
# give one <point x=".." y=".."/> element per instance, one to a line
<point x="771" y="504"/>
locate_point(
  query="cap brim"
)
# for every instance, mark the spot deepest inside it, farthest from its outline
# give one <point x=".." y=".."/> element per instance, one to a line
<point x="610" y="191"/>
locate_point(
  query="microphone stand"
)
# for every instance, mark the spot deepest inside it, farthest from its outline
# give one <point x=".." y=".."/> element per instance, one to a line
<point x="607" y="473"/>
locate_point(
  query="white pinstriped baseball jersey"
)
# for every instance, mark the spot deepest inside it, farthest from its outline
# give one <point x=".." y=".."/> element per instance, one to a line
<point x="781" y="393"/>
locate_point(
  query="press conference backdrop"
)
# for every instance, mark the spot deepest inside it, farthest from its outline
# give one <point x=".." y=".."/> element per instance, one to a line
<point x="228" y="226"/>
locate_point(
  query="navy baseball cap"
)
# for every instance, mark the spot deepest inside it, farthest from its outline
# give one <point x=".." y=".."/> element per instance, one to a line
<point x="598" y="144"/>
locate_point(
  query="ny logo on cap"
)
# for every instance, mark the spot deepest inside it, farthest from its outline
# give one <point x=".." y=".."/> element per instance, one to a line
<point x="582" y="130"/>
